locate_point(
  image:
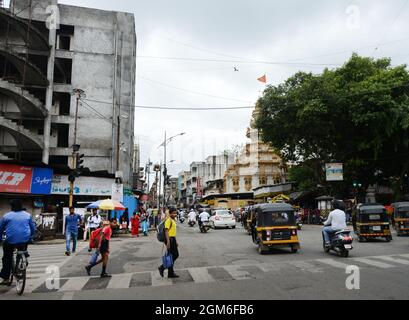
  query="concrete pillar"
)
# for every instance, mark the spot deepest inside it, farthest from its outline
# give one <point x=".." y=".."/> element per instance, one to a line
<point x="50" y="90"/>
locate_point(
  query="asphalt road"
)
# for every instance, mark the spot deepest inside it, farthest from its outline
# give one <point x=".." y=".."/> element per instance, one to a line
<point x="225" y="264"/>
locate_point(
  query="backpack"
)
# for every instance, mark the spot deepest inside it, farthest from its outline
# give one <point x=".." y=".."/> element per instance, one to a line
<point x="161" y="230"/>
<point x="95" y="238"/>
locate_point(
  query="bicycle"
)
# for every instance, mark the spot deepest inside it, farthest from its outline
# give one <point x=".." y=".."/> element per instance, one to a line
<point x="19" y="268"/>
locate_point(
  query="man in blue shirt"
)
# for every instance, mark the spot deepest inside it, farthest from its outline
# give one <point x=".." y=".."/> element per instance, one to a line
<point x="19" y="228"/>
<point x="71" y="230"/>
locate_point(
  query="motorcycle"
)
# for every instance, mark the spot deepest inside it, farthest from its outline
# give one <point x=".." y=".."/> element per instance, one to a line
<point x="191" y="223"/>
<point x="181" y="219"/>
<point x="204" y="227"/>
<point x="341" y="243"/>
<point x="299" y="224"/>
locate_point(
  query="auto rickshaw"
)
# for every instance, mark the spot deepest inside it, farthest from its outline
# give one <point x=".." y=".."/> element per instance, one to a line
<point x="273" y="226"/>
<point x="249" y="220"/>
<point x="401" y="218"/>
<point x="371" y="221"/>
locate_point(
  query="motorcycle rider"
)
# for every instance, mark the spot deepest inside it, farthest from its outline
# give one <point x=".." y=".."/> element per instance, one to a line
<point x="203" y="217"/>
<point x="336" y="222"/>
<point x="192" y="217"/>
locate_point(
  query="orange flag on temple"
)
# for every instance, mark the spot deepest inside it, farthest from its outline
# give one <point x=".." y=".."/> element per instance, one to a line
<point x="263" y="79"/>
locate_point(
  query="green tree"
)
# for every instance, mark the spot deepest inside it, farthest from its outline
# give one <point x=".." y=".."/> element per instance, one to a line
<point x="357" y="114"/>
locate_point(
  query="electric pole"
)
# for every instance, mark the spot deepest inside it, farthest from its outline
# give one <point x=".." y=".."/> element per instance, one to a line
<point x="75" y="148"/>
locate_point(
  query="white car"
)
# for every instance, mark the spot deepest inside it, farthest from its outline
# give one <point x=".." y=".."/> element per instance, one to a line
<point x="222" y="219"/>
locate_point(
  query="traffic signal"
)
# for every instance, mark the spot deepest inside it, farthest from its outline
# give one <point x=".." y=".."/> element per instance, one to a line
<point x="357" y="184"/>
<point x="79" y="160"/>
<point x="72" y="176"/>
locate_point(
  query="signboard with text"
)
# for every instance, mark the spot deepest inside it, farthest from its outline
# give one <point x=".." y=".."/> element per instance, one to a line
<point x="83" y="186"/>
<point x="25" y="180"/>
<point x="334" y="171"/>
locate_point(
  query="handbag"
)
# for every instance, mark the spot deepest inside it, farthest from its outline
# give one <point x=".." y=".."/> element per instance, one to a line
<point x="167" y="260"/>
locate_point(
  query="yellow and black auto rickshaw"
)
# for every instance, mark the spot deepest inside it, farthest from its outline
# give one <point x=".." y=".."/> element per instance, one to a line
<point x="401" y="218"/>
<point x="371" y="221"/>
<point x="249" y="219"/>
<point x="274" y="226"/>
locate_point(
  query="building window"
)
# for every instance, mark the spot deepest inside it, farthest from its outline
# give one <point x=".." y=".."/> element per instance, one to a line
<point x="63" y="134"/>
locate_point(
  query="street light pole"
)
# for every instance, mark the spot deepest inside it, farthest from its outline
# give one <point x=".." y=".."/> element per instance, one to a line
<point x="165" y="171"/>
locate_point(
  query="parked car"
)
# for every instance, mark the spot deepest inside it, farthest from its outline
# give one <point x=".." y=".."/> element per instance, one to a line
<point x="222" y="219"/>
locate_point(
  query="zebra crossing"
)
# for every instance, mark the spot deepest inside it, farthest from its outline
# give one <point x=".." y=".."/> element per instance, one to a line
<point x="41" y="258"/>
<point x="223" y="273"/>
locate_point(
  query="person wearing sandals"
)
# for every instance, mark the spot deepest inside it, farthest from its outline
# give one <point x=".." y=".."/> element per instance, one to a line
<point x="103" y="250"/>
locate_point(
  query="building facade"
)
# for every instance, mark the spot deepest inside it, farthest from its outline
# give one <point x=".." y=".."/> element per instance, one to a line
<point x="46" y="51"/>
<point x="258" y="165"/>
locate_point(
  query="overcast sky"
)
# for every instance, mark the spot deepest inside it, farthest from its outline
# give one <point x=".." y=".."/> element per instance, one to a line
<point x="312" y="33"/>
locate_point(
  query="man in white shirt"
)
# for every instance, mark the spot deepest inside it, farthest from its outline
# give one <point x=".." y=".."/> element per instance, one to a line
<point x="192" y="216"/>
<point x="94" y="222"/>
<point x="336" y="222"/>
<point x="203" y="217"/>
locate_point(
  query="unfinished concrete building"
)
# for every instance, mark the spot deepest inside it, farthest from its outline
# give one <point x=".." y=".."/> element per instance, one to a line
<point x="47" y="50"/>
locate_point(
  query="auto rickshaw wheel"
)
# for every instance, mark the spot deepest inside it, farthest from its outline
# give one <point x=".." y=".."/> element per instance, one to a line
<point x="294" y="249"/>
<point x="261" y="249"/>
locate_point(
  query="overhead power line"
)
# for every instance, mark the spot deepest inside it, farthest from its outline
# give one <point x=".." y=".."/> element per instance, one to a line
<point x="191" y="91"/>
<point x="242" y="61"/>
<point x="172" y="108"/>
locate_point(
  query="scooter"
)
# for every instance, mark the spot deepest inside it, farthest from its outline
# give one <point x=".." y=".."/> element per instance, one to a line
<point x="204" y="227"/>
<point x="341" y="243"/>
<point x="181" y="219"/>
<point x="191" y="223"/>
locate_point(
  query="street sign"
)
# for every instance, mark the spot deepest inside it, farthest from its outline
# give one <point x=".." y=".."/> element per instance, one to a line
<point x="117" y="192"/>
<point x="334" y="171"/>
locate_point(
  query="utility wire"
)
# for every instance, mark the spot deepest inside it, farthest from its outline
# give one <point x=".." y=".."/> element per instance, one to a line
<point x="191" y="91"/>
<point x="241" y="61"/>
<point x="172" y="108"/>
<point x="406" y="85"/>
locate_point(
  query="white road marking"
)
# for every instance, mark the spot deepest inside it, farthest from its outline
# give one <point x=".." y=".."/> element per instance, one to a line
<point x="120" y="281"/>
<point x="74" y="284"/>
<point x="333" y="263"/>
<point x="373" y="263"/>
<point x="68" y="296"/>
<point x="201" y="275"/>
<point x="158" y="281"/>
<point x="393" y="259"/>
<point x="305" y="266"/>
<point x="237" y="274"/>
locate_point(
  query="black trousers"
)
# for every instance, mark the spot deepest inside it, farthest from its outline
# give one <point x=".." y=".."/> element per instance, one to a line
<point x="7" y="260"/>
<point x="174" y="252"/>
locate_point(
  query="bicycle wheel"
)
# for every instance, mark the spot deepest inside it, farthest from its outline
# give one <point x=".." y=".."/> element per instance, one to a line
<point x="21" y="282"/>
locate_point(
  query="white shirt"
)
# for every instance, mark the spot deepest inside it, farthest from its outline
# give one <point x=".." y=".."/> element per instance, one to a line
<point x="337" y="220"/>
<point x="94" y="221"/>
<point x="204" y="216"/>
<point x="192" y="216"/>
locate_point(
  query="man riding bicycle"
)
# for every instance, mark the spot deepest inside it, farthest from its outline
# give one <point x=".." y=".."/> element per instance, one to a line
<point x="20" y="228"/>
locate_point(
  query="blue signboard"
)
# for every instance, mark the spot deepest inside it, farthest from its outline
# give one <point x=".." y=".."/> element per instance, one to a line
<point x="42" y="180"/>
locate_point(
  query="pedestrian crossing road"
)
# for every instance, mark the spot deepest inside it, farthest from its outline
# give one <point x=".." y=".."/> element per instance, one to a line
<point x="213" y="274"/>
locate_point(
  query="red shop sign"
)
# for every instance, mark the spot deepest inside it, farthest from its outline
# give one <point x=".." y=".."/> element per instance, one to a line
<point x="15" y="179"/>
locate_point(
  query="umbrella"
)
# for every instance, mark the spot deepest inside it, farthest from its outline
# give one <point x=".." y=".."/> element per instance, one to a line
<point x="107" y="204"/>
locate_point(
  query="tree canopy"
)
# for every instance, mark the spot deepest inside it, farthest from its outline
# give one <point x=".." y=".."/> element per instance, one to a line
<point x="357" y="114"/>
